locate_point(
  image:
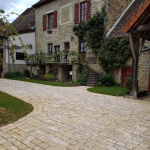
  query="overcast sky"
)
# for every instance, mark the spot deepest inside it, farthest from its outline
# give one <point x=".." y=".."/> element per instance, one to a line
<point x="17" y="6"/>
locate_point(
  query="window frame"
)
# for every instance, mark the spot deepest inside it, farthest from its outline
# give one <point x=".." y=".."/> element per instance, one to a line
<point x="52" y="21"/>
<point x="82" y="41"/>
<point x="21" y="56"/>
<point x="84" y="15"/>
<point x="56" y="50"/>
<point x="50" y="44"/>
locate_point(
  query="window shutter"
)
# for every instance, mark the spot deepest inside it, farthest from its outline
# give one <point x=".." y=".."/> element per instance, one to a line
<point x="44" y="22"/>
<point x="88" y="9"/>
<point x="55" y="19"/>
<point x="76" y="18"/>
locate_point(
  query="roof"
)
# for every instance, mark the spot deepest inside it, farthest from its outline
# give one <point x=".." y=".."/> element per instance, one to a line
<point x="29" y="16"/>
<point x="41" y="2"/>
<point x="116" y="30"/>
<point x="139" y="14"/>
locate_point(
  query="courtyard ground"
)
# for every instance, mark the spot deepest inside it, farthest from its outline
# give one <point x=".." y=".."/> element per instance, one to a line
<point x="71" y="118"/>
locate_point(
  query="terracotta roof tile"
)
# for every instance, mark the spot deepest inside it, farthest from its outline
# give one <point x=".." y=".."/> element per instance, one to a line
<point x="136" y="16"/>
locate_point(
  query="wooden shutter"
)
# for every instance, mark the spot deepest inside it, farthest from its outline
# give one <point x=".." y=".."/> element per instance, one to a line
<point x="76" y="18"/>
<point x="88" y="9"/>
<point x="55" y="19"/>
<point x="44" y="22"/>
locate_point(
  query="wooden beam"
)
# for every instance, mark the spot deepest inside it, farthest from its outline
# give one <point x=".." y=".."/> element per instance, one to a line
<point x="143" y="28"/>
<point x="141" y="45"/>
<point x="131" y="45"/>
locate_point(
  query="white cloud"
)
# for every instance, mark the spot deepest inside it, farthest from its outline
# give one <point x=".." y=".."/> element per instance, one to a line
<point x="16" y="6"/>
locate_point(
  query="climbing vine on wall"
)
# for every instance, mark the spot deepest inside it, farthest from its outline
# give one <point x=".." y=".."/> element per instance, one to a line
<point x="112" y="53"/>
<point x="93" y="28"/>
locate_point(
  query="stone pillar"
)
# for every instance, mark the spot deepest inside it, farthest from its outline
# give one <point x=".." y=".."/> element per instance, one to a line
<point x="47" y="69"/>
<point x="74" y="72"/>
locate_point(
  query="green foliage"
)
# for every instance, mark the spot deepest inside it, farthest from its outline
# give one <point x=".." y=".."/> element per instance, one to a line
<point x="81" y="81"/>
<point x="36" y="77"/>
<point x="94" y="30"/>
<point x="128" y="83"/>
<point x="106" y="80"/>
<point x="114" y="53"/>
<point x="12" y="74"/>
<point x="27" y="73"/>
<point x="49" y="77"/>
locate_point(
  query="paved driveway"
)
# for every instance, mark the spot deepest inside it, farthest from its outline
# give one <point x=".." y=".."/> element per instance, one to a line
<point x="73" y="118"/>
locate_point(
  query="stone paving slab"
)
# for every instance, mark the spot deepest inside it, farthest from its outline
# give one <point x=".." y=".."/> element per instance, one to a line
<point x="71" y="118"/>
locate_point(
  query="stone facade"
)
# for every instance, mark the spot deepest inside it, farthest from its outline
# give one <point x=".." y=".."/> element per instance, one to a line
<point x="63" y="33"/>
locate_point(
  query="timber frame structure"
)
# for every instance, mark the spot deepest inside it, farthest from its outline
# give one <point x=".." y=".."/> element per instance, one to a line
<point x="138" y="29"/>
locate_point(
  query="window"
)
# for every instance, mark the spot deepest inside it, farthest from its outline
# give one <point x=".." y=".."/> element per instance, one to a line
<point x="50" y="21"/>
<point x="83" y="11"/>
<point x="19" y="56"/>
<point x="50" y="48"/>
<point x="82" y="45"/>
<point x="57" y="49"/>
<point x="67" y="46"/>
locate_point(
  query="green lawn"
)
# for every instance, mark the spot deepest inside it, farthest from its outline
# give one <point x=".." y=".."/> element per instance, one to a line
<point x="12" y="109"/>
<point x="114" y="91"/>
<point x="41" y="82"/>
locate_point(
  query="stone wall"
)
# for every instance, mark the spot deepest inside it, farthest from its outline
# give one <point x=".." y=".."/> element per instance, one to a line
<point x="65" y="22"/>
<point x="143" y="70"/>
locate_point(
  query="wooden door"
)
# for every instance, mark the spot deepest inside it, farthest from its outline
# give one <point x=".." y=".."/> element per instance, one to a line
<point x="125" y="72"/>
<point x="82" y="47"/>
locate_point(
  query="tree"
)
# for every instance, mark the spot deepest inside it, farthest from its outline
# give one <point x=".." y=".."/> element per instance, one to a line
<point x="10" y="33"/>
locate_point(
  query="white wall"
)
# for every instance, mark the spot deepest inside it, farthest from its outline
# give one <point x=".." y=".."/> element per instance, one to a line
<point x="28" y="38"/>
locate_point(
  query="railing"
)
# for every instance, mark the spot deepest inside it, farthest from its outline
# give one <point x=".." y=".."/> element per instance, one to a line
<point x="45" y="58"/>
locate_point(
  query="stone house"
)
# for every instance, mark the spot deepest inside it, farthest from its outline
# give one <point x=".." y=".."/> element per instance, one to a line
<point x="26" y="30"/>
<point x="54" y="21"/>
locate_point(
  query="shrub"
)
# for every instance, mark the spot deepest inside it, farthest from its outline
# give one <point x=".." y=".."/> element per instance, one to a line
<point x="107" y="80"/>
<point x="12" y="74"/>
<point x="49" y="77"/>
<point x="36" y="77"/>
<point x="27" y="73"/>
<point x="128" y="83"/>
<point x="81" y="81"/>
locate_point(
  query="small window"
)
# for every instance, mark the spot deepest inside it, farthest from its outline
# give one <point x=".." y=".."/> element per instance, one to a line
<point x="19" y="56"/>
<point x="50" y="21"/>
<point x="57" y="49"/>
<point x="82" y="45"/>
<point x="67" y="46"/>
<point x="83" y="11"/>
<point x="50" y="48"/>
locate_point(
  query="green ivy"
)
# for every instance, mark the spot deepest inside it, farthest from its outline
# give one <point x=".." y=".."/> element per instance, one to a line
<point x="93" y="28"/>
<point x="113" y="53"/>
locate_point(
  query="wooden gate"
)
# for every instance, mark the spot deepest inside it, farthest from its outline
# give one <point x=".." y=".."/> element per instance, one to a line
<point x="125" y="72"/>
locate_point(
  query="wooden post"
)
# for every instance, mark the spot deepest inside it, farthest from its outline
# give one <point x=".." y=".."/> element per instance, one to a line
<point x="136" y="48"/>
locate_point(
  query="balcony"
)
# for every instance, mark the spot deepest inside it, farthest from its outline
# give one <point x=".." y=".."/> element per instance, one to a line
<point x="58" y="58"/>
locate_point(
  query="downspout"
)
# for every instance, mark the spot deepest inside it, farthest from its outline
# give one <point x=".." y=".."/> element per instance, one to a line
<point x="8" y="56"/>
<point x="105" y="20"/>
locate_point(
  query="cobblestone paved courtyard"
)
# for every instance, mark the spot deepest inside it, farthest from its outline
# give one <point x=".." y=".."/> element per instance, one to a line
<point x="71" y="118"/>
